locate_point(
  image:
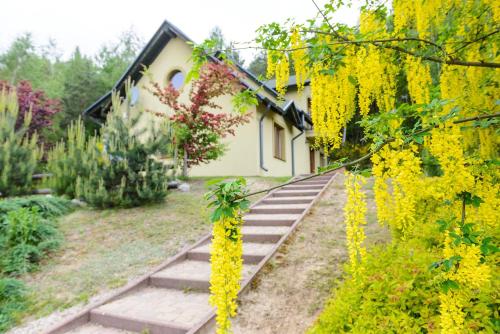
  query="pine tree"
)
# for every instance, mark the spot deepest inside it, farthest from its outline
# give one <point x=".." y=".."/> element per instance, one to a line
<point x="128" y="172"/>
<point x="72" y="158"/>
<point x="19" y="153"/>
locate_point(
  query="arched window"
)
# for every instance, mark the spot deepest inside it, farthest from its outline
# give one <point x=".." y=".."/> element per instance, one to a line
<point x="176" y="78"/>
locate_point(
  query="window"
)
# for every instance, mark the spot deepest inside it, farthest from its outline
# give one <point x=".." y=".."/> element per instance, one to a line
<point x="279" y="142"/>
<point x="176" y="78"/>
<point x="309" y="105"/>
<point x="134" y="96"/>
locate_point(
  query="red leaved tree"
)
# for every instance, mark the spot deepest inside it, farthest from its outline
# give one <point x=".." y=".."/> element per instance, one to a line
<point x="42" y="108"/>
<point x="199" y="130"/>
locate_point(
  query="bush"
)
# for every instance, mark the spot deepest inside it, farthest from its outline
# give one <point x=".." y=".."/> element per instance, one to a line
<point x="48" y="206"/>
<point x="71" y="159"/>
<point x="126" y="173"/>
<point x="12" y="301"/>
<point x="19" y="153"/>
<point x="397" y="293"/>
<point x="25" y="237"/>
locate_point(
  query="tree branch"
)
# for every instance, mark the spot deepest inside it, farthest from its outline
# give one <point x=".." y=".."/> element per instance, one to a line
<point x="368" y="155"/>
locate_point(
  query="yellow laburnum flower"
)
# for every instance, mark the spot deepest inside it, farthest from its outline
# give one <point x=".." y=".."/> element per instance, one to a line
<point x="470" y="274"/>
<point x="282" y="74"/>
<point x="355" y="211"/>
<point x="419" y="80"/>
<point x="401" y="169"/>
<point x="333" y="103"/>
<point x="299" y="58"/>
<point x="226" y="265"/>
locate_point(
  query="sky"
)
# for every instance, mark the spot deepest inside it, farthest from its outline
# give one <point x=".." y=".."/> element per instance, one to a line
<point x="91" y="23"/>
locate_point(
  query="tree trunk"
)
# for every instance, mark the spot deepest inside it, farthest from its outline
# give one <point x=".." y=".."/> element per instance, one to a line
<point x="185" y="164"/>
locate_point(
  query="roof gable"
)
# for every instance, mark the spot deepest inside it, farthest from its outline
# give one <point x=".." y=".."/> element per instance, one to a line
<point x="150" y="52"/>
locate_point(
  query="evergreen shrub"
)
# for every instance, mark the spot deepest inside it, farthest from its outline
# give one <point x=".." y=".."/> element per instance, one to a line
<point x="19" y="153"/>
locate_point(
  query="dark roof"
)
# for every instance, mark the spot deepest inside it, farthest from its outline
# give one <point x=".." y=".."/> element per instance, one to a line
<point x="146" y="57"/>
<point x="292" y="82"/>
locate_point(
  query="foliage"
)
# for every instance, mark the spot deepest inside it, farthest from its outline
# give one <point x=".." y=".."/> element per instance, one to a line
<point x="41" y="66"/>
<point x="47" y="206"/>
<point x="418" y="73"/>
<point x="71" y="158"/>
<point x="25" y="238"/>
<point x="37" y="104"/>
<point x="125" y="171"/>
<point x="19" y="152"/>
<point x="226" y="253"/>
<point x="114" y="58"/>
<point x="27" y="234"/>
<point x="12" y="301"/>
<point x="221" y="44"/>
<point x="77" y="82"/>
<point x="258" y="65"/>
<point x="401" y="298"/>
<point x="81" y="87"/>
<point x="199" y="131"/>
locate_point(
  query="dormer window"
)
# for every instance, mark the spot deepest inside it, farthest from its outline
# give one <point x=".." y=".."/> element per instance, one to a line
<point x="176" y="78"/>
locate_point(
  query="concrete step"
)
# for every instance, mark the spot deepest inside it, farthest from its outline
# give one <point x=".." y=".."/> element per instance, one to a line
<point x="303" y="187"/>
<point x="263" y="234"/>
<point x="288" y="200"/>
<point x="278" y="219"/>
<point x="312" y="182"/>
<point x="156" y="310"/>
<point x="279" y="208"/>
<point x="293" y="193"/>
<point x="91" y="328"/>
<point x="252" y="252"/>
<point x="189" y="274"/>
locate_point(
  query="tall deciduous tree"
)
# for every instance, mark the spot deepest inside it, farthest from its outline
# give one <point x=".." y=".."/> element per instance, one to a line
<point x="258" y="65"/>
<point x="220" y="44"/>
<point x="114" y="58"/>
<point x="423" y="75"/>
<point x="82" y="87"/>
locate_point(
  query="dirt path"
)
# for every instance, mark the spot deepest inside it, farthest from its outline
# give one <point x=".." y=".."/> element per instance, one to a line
<point x="291" y="291"/>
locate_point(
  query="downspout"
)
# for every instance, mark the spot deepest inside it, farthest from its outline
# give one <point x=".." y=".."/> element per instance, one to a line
<point x="261" y="138"/>
<point x="292" y="145"/>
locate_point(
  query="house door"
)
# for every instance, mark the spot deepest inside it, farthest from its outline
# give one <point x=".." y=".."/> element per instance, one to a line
<point x="312" y="162"/>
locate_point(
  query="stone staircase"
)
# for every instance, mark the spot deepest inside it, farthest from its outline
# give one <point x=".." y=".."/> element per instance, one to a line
<point x="173" y="299"/>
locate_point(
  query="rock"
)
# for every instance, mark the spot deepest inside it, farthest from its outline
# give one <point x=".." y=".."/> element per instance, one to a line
<point x="184" y="187"/>
<point x="77" y="202"/>
<point x="173" y="184"/>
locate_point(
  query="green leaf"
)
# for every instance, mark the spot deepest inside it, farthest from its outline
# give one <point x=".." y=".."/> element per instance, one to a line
<point x="448" y="285"/>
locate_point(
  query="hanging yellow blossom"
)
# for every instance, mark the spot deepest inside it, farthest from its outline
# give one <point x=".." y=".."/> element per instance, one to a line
<point x="226" y="265"/>
<point x="333" y="103"/>
<point x="400" y="167"/>
<point x="470" y="274"/>
<point x="355" y="211"/>
<point x="282" y="74"/>
<point x="419" y="80"/>
<point x="299" y="58"/>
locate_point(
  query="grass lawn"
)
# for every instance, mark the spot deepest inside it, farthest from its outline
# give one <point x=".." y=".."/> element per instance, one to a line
<point x="103" y="249"/>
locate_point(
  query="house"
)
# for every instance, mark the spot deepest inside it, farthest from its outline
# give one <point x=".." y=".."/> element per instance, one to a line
<point x="276" y="142"/>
